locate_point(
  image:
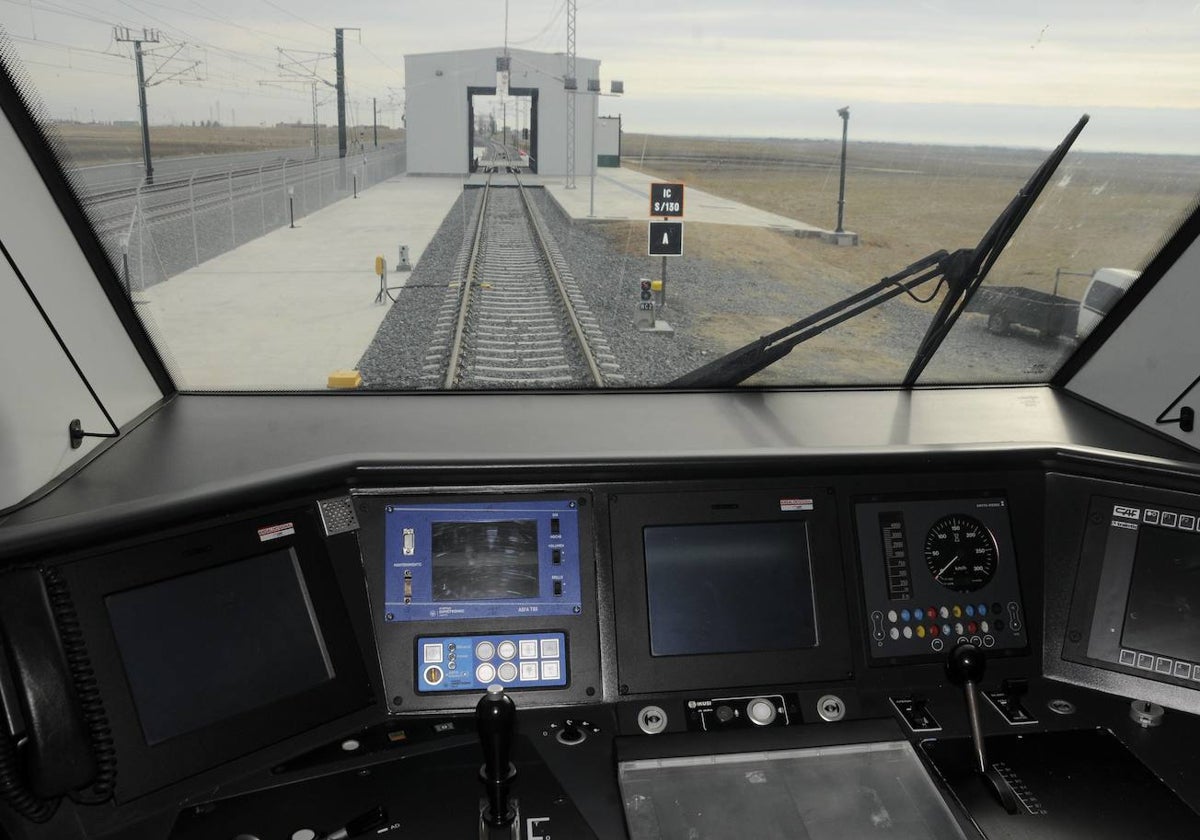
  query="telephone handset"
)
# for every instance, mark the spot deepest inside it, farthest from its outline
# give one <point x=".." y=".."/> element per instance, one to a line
<point x="45" y="737"/>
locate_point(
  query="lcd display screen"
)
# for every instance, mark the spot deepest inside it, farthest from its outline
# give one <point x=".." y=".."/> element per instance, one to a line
<point x="207" y="646"/>
<point x="484" y="561"/>
<point x="1163" y="612"/>
<point x="729" y="588"/>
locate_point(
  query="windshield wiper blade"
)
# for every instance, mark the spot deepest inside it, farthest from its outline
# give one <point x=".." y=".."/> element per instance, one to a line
<point x="961" y="271"/>
<point x="961" y="289"/>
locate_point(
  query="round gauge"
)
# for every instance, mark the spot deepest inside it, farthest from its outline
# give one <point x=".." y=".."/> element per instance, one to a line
<point x="960" y="552"/>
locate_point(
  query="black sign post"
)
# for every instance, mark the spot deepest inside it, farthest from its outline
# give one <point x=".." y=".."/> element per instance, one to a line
<point x="665" y="238"/>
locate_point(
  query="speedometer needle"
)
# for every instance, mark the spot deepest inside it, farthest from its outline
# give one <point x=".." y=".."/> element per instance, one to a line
<point x="944" y="568"/>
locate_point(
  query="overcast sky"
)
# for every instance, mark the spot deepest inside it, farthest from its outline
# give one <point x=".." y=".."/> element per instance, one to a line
<point x="1000" y="72"/>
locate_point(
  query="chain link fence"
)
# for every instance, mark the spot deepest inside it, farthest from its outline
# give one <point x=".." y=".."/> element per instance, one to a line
<point x="155" y="231"/>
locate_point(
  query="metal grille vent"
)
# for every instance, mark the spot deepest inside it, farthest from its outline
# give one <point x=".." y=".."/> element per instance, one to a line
<point x="337" y="515"/>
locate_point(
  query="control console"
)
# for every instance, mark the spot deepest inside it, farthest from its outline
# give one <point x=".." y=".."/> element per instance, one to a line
<point x="468" y="592"/>
<point x="938" y="572"/>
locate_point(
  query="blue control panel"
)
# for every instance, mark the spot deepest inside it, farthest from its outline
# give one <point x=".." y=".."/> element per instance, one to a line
<point x="472" y="663"/>
<point x="465" y="560"/>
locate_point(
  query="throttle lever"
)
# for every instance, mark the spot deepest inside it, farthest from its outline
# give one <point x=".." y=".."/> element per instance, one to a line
<point x="965" y="667"/>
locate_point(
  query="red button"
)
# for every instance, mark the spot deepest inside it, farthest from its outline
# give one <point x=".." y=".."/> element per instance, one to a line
<point x="934" y="630"/>
<point x="971" y="627"/>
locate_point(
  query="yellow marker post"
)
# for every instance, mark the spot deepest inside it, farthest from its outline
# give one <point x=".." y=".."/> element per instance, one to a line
<point x="345" y="379"/>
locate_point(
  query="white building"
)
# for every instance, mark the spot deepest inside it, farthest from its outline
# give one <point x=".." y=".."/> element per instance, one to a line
<point x="440" y="89"/>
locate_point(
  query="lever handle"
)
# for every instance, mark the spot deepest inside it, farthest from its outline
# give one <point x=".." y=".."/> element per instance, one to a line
<point x="966" y="667"/>
<point x="495" y="721"/>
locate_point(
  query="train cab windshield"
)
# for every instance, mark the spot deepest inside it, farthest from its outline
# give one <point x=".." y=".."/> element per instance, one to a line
<point x="288" y="203"/>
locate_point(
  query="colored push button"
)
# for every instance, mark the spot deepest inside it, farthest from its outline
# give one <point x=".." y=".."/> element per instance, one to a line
<point x="920" y="631"/>
<point x="892" y="616"/>
<point x="905" y="615"/>
<point x="981" y="609"/>
<point x="944" y="612"/>
<point x="969" y="610"/>
<point x="956" y="611"/>
<point x="934" y="630"/>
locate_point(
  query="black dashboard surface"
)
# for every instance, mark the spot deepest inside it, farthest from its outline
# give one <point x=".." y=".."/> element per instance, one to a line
<point x="843" y="465"/>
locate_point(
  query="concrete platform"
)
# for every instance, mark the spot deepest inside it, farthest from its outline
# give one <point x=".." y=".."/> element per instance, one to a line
<point x="291" y="307"/>
<point x="624" y="194"/>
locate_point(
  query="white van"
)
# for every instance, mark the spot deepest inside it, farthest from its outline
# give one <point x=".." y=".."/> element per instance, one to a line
<point x="1103" y="292"/>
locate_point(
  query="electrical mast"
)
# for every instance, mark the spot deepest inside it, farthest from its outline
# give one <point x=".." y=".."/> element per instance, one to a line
<point x="571" y="84"/>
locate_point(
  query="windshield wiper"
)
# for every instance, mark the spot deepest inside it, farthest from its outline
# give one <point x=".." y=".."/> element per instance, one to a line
<point x="962" y="272"/>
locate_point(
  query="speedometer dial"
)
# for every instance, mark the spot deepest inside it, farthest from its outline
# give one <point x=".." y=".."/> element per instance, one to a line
<point x="960" y="552"/>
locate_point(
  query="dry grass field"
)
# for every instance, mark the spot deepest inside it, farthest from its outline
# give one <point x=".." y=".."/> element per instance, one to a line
<point x="906" y="202"/>
<point x="92" y="144"/>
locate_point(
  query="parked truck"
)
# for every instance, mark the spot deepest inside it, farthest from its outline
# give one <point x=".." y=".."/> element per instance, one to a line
<point x="1049" y="313"/>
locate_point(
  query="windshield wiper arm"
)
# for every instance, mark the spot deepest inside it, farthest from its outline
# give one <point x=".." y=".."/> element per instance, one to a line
<point x="961" y="289"/>
<point x="961" y="271"/>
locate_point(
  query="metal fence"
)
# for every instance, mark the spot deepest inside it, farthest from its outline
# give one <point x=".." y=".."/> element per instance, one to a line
<point x="154" y="231"/>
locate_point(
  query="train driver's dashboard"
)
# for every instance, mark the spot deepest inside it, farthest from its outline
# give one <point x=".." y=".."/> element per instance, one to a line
<point x="691" y="647"/>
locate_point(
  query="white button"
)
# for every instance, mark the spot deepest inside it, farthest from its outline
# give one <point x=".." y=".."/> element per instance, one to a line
<point x="506" y="649"/>
<point x="549" y="648"/>
<point x="892" y="616"/>
<point x="983" y="625"/>
<point x="507" y="672"/>
<point x="958" y="628"/>
<point x="485" y="651"/>
<point x="529" y="648"/>
<point x="1128" y="657"/>
<point x="485" y="673"/>
<point x="433" y="653"/>
<point x="907" y="632"/>
<point x="529" y="671"/>
<point x="551" y="670"/>
<point x="894" y="632"/>
<point x="350" y="745"/>
<point x="304" y="834"/>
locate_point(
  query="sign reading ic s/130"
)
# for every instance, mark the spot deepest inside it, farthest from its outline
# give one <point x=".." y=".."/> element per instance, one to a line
<point x="666" y="200"/>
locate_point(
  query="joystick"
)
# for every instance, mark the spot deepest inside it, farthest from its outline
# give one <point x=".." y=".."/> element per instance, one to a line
<point x="495" y="721"/>
<point x="965" y="667"/>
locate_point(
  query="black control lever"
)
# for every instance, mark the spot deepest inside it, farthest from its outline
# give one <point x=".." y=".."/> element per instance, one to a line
<point x="496" y="721"/>
<point x="965" y="667"/>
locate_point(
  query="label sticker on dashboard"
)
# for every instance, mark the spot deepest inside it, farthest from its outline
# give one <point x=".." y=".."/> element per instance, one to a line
<point x="795" y="504"/>
<point x="276" y="531"/>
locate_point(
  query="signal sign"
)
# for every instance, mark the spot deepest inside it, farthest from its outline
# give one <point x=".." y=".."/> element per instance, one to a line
<point x="665" y="239"/>
<point x="666" y="200"/>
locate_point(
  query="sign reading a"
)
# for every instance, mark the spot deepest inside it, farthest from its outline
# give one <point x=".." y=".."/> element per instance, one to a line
<point x="666" y="200"/>
<point x="666" y="239"/>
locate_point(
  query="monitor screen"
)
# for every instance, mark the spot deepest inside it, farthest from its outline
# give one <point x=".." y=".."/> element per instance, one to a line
<point x="1163" y="611"/>
<point x="206" y="646"/>
<point x="482" y="561"/>
<point x="729" y="588"/>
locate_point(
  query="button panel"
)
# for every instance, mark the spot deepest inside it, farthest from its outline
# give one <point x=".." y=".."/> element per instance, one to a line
<point x="472" y="663"/>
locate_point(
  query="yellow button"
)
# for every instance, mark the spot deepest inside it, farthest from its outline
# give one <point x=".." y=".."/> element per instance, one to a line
<point x="920" y="631"/>
<point x="957" y="610"/>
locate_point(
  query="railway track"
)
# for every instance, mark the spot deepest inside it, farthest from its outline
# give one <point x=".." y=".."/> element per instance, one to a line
<point x="516" y="317"/>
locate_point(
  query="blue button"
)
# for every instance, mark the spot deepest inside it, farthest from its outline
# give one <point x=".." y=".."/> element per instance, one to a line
<point x="970" y="611"/>
<point x="981" y="609"/>
<point x="905" y="615"/>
